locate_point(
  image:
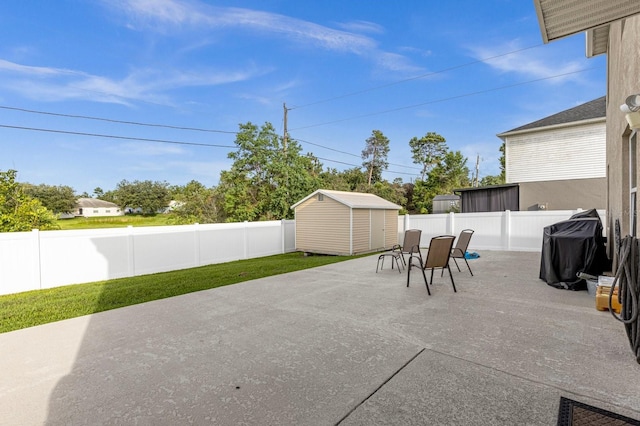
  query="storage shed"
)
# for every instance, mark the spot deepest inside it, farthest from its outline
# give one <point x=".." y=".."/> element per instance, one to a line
<point x="345" y="223"/>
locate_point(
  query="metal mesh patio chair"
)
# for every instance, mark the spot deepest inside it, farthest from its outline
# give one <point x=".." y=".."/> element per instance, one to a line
<point x="411" y="238"/>
<point x="459" y="251"/>
<point x="438" y="256"/>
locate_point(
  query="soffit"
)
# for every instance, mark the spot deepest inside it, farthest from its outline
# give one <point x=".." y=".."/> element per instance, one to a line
<point x="561" y="18"/>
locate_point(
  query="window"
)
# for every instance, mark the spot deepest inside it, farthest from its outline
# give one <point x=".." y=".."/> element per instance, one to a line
<point x="107" y="211"/>
<point x="320" y="197"/>
<point x="95" y="211"/>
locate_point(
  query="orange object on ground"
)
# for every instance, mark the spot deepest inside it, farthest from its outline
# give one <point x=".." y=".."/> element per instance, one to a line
<point x="602" y="299"/>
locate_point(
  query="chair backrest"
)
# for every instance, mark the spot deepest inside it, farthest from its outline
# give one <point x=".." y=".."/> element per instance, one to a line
<point x="439" y="252"/>
<point x="463" y="240"/>
<point x="411" y="240"/>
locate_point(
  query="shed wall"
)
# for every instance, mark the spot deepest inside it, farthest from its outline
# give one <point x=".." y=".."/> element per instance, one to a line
<point x="361" y="227"/>
<point x="390" y="228"/>
<point x="322" y="226"/>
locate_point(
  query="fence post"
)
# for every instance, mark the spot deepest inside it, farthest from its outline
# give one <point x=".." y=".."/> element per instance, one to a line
<point x="196" y="242"/>
<point x="407" y="223"/>
<point x="245" y="240"/>
<point x="131" y="261"/>
<point x="37" y="271"/>
<point x="451" y="226"/>
<point x="506" y="230"/>
<point x="282" y="236"/>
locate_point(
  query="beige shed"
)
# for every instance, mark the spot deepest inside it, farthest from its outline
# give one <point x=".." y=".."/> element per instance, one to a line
<point x="345" y="223"/>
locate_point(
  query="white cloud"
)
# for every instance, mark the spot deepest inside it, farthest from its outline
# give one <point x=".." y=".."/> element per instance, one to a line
<point x="140" y="85"/>
<point x="147" y="149"/>
<point x="534" y="63"/>
<point x="165" y="15"/>
<point x="362" y="27"/>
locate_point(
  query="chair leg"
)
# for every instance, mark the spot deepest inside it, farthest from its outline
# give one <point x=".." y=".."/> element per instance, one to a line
<point x="397" y="264"/>
<point x="409" y="265"/>
<point x="425" y="280"/>
<point x="465" y="260"/>
<point x="456" y="262"/>
<point x="452" y="283"/>
<point x="378" y="264"/>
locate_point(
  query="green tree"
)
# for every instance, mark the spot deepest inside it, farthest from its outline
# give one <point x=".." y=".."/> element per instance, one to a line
<point x="98" y="192"/>
<point x="58" y="199"/>
<point x="375" y="155"/>
<point x="499" y="179"/>
<point x="266" y="177"/>
<point x="452" y="173"/>
<point x="18" y="211"/>
<point x="428" y="151"/>
<point x="195" y="203"/>
<point x="150" y="197"/>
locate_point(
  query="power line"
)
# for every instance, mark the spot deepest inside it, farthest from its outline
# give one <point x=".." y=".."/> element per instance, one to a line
<point x="359" y="92"/>
<point x="351" y="154"/>
<point x="86" y="117"/>
<point x="97" y="135"/>
<point x="359" y="165"/>
<point x="495" y="89"/>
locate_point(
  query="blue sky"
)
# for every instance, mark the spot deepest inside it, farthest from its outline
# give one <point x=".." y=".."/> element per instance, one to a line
<point x="465" y="69"/>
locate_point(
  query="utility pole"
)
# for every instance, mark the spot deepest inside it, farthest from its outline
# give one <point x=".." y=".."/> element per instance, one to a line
<point x="475" y="179"/>
<point x="285" y="135"/>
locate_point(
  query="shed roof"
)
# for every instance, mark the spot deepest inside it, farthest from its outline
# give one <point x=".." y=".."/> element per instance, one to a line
<point x="95" y="203"/>
<point x="354" y="200"/>
<point x="447" y="197"/>
<point x="592" y="110"/>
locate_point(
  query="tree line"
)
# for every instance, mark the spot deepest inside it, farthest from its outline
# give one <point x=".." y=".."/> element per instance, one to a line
<point x="267" y="176"/>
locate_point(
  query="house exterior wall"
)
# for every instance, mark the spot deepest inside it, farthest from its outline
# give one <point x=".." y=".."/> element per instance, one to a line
<point x="323" y="226"/>
<point x="98" y="211"/>
<point x="576" y="152"/>
<point x="623" y="63"/>
<point x="569" y="194"/>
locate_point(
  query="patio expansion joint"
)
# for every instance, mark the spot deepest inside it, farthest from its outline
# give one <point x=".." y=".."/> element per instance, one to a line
<point x="517" y="376"/>
<point x="395" y="373"/>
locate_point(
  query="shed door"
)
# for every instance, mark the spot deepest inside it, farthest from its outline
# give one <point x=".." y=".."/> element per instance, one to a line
<point x="377" y="229"/>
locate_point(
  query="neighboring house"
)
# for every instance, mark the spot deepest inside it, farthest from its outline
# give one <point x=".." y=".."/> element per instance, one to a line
<point x="446" y="203"/>
<point x="612" y="28"/>
<point x="345" y="223"/>
<point x="92" y="207"/>
<point x="559" y="162"/>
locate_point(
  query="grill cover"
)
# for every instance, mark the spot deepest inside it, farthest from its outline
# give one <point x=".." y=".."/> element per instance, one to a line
<point x="573" y="246"/>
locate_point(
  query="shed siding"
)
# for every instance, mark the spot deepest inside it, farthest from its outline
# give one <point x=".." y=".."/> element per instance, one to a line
<point x="576" y="152"/>
<point x="361" y="226"/>
<point x="390" y="228"/>
<point x="322" y="226"/>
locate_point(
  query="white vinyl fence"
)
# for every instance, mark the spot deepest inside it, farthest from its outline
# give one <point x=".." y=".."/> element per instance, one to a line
<point x="44" y="259"/>
<point x="508" y="231"/>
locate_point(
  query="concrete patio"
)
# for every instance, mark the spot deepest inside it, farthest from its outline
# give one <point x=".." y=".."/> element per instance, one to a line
<point x="338" y="344"/>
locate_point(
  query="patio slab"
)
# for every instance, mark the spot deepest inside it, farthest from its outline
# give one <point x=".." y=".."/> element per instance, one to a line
<point x="338" y="344"/>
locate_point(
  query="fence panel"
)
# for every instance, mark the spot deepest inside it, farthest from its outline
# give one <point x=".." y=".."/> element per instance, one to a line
<point x="70" y="257"/>
<point x="19" y="264"/>
<point x="36" y="260"/>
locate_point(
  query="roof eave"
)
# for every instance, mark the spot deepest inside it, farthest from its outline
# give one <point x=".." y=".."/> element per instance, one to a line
<point x="552" y="127"/>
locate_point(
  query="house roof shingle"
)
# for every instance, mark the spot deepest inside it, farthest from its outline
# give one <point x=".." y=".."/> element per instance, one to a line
<point x="594" y="109"/>
<point x="95" y="203"/>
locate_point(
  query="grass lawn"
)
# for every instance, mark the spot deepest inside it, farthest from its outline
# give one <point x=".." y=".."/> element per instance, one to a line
<point x="32" y="308"/>
<point x="114" y="221"/>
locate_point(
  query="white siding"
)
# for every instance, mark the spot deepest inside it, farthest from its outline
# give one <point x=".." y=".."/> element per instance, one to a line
<point x="577" y="152"/>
